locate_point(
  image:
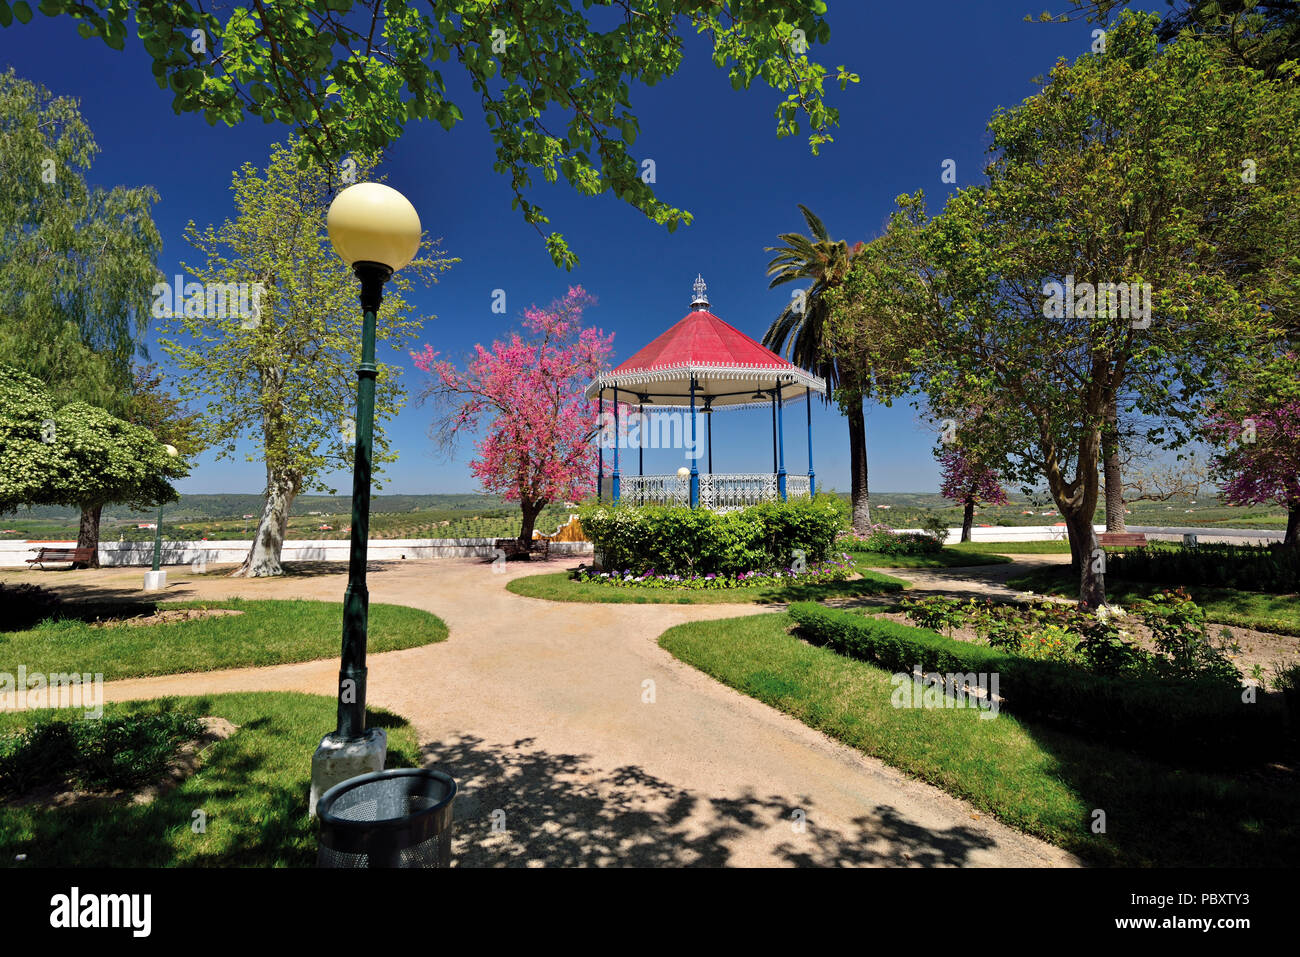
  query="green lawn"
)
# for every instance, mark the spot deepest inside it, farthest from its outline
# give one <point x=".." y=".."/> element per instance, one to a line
<point x="948" y="557"/>
<point x="1013" y="548"/>
<point x="558" y="586"/>
<point x="267" y="633"/>
<point x="252" y="789"/>
<point x="1037" y="779"/>
<point x="1279" y="614"/>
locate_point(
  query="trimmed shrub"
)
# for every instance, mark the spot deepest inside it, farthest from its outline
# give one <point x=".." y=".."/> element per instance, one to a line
<point x="1189" y="717"/>
<point x="1267" y="568"/>
<point x="695" y="541"/>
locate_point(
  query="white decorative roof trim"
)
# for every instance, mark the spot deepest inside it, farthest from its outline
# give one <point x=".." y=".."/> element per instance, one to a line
<point x="631" y="377"/>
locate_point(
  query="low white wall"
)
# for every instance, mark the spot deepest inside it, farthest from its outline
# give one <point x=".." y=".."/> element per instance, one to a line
<point x="998" y="533"/>
<point x="16" y="553"/>
<point x="1040" y="533"/>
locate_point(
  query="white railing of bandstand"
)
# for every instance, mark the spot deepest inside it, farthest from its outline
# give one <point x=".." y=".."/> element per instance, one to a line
<point x="718" y="491"/>
<point x="654" y="490"/>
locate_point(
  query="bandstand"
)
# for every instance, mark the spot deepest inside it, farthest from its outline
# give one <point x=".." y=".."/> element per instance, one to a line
<point x="701" y="365"/>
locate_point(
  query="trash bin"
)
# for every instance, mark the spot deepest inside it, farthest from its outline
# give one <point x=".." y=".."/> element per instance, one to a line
<point x="397" y="818"/>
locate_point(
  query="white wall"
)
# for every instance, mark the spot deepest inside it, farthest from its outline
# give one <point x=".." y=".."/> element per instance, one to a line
<point x="15" y="554"/>
<point x="1040" y="533"/>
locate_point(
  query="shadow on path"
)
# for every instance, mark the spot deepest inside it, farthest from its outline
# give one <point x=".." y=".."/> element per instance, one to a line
<point x="521" y="806"/>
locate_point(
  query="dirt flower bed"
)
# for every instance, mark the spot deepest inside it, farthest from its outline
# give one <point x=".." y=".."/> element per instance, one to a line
<point x="1166" y="634"/>
<point x="1245" y="647"/>
<point x="165" y="616"/>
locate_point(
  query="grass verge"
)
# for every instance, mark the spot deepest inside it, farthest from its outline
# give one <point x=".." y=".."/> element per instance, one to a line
<point x="1040" y="780"/>
<point x="558" y="586"/>
<point x="252" y="789"/>
<point x="948" y="557"/>
<point x="1013" y="548"/>
<point x="1277" y="614"/>
<point x="266" y="633"/>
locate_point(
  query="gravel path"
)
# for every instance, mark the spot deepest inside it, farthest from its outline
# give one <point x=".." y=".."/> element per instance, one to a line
<point x="537" y="709"/>
<point x="984" y="581"/>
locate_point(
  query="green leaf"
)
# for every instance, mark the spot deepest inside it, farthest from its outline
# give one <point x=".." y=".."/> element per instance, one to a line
<point x="114" y="35"/>
<point x="22" y="11"/>
<point x="6" y="15"/>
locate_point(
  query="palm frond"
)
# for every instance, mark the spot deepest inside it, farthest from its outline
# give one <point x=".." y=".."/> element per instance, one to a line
<point x="815" y="225"/>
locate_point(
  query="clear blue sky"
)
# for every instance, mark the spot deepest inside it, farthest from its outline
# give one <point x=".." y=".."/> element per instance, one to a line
<point x="932" y="75"/>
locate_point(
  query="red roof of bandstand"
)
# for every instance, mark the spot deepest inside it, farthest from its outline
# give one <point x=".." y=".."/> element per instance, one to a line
<point x="727" y="365"/>
<point x="701" y="338"/>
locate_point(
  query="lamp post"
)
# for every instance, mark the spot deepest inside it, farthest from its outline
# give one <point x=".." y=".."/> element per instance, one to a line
<point x="156" y="579"/>
<point x="376" y="231"/>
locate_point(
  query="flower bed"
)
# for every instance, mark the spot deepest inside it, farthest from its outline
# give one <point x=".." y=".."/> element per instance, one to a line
<point x="883" y="540"/>
<point x="830" y="570"/>
<point x="1196" y="717"/>
<point x="1104" y="642"/>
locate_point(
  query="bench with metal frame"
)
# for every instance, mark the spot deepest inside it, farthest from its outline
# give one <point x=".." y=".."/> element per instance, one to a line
<point x="77" y="556"/>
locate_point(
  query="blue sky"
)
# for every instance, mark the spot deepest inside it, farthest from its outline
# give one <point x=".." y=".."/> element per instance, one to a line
<point x="928" y="87"/>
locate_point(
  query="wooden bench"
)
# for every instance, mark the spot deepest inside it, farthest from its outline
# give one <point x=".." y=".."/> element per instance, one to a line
<point x="77" y="556"/>
<point x="538" y="547"/>
<point x="1122" y="540"/>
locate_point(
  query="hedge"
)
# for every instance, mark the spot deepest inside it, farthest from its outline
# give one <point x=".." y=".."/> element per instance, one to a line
<point x="1273" y="567"/>
<point x="1188" y="717"/>
<point x="696" y="541"/>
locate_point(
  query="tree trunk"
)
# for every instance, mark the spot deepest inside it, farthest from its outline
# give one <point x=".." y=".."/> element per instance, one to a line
<point x="1114" y="477"/>
<point x="967" y="519"/>
<point x="859" y="494"/>
<point x="1086" y="557"/>
<point x="1077" y="503"/>
<point x="1293" y="524"/>
<point x="88" y="534"/>
<point x="531" y="510"/>
<point x="263" y="559"/>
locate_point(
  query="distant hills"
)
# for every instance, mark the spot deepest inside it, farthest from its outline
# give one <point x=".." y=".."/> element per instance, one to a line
<point x="216" y="507"/>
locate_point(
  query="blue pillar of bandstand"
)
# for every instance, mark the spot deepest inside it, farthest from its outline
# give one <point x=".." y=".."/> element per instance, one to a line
<point x="600" y="445"/>
<point x="812" y="476"/>
<point x="780" y="442"/>
<point x="616" y="443"/>
<point x="695" y="472"/>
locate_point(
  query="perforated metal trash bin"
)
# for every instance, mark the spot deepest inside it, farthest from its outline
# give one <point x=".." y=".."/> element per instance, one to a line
<point x="397" y="818"/>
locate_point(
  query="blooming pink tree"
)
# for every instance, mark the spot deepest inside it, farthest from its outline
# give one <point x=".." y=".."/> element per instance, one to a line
<point x="528" y="393"/>
<point x="970" y="482"/>
<point x="1259" y="462"/>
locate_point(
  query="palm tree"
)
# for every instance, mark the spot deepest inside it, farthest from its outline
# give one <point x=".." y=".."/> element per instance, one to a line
<point x="800" y="328"/>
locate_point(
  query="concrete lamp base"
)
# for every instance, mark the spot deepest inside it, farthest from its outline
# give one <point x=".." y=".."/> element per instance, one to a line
<point x="336" y="761"/>
<point x="155" y="581"/>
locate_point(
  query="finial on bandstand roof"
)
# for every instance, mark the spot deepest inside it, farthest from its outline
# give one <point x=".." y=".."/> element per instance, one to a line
<point x="701" y="300"/>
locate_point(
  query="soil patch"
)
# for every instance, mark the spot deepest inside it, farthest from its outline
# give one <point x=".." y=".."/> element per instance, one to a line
<point x="166" y="616"/>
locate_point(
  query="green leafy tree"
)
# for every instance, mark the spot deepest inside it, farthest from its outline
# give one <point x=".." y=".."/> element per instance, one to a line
<point x="279" y="370"/>
<point x="76" y="261"/>
<point x="1263" y="35"/>
<point x="1117" y="172"/>
<point x="1260" y="34"/>
<point x="553" y="80"/>
<point x="75" y="454"/>
<point x="799" y="331"/>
